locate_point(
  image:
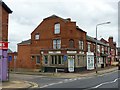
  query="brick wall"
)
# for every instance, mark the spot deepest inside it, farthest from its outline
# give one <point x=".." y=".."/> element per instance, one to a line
<point x="46" y="31"/>
<point x="4" y="30"/>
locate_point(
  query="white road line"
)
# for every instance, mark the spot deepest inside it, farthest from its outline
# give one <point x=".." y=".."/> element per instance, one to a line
<point x="60" y="82"/>
<point x="106" y="83"/>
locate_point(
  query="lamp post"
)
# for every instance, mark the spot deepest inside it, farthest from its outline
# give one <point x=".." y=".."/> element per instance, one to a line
<point x="96" y="43"/>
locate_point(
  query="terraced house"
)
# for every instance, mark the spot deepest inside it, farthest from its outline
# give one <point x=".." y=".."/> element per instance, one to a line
<point x="56" y="44"/>
<point x="106" y="52"/>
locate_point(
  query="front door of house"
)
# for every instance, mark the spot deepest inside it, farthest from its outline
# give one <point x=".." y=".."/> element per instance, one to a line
<point x="71" y="60"/>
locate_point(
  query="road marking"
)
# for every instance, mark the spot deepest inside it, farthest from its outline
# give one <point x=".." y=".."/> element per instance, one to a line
<point x="74" y="79"/>
<point x="106" y="83"/>
<point x="60" y="82"/>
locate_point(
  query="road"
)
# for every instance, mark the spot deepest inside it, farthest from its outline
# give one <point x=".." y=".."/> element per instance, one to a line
<point x="109" y="80"/>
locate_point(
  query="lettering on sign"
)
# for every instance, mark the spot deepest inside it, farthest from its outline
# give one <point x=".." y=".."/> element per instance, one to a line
<point x="54" y="52"/>
<point x="3" y="45"/>
<point x="71" y="51"/>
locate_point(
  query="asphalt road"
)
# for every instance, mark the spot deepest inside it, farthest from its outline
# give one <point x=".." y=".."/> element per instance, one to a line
<point x="109" y="80"/>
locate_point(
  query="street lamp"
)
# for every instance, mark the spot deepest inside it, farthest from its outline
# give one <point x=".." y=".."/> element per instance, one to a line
<point x="96" y="43"/>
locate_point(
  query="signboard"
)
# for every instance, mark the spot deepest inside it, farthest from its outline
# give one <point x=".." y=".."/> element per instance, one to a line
<point x="3" y="45"/>
<point x="70" y="64"/>
<point x="54" y="52"/>
<point x="71" y="51"/>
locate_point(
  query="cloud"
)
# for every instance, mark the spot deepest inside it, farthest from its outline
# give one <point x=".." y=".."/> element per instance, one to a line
<point x="27" y="14"/>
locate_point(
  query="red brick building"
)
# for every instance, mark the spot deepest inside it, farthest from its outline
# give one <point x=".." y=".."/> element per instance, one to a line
<point x="54" y="39"/>
<point x="4" y="16"/>
<point x="12" y="57"/>
<point x="58" y="44"/>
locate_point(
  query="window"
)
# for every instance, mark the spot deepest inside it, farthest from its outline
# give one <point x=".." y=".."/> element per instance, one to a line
<point x="98" y="48"/>
<point x="56" y="44"/>
<point x="80" y="60"/>
<point x="89" y="47"/>
<point x="37" y="59"/>
<point x="46" y="59"/>
<point x="81" y="45"/>
<point x="52" y="59"/>
<point x="102" y="49"/>
<point x="71" y="43"/>
<point x="57" y="59"/>
<point x="57" y="28"/>
<point x="37" y="36"/>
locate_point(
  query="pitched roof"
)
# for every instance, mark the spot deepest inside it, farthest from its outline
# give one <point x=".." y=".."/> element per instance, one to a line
<point x="9" y="51"/>
<point x="89" y="38"/>
<point x="66" y="20"/>
<point x="26" y="42"/>
<point x="5" y="7"/>
<point x="103" y="40"/>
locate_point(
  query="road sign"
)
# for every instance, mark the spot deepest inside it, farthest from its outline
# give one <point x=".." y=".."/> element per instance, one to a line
<point x="10" y="58"/>
<point x="64" y="57"/>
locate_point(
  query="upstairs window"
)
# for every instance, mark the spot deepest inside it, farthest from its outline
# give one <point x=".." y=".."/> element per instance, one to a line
<point x="71" y="43"/>
<point x="81" y="45"/>
<point x="98" y="48"/>
<point x="89" y="44"/>
<point x="56" y="44"/>
<point x="57" y="28"/>
<point x="37" y="36"/>
<point x="102" y="49"/>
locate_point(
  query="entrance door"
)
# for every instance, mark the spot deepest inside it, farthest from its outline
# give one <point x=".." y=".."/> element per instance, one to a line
<point x="71" y="63"/>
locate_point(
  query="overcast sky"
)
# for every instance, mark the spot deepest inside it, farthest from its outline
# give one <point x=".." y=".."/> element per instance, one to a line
<point x="28" y="14"/>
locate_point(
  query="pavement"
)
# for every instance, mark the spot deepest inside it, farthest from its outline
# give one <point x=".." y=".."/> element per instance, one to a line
<point x="26" y="84"/>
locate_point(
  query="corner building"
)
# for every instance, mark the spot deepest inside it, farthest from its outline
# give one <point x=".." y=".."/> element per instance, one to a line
<point x="56" y="44"/>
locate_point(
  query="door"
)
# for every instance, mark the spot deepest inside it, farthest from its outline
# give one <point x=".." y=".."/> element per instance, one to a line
<point x="71" y="63"/>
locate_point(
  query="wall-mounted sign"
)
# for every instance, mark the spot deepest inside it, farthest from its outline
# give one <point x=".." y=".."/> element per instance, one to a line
<point x="54" y="52"/>
<point x="71" y="51"/>
<point x="9" y="58"/>
<point x="3" y="45"/>
<point x="65" y="58"/>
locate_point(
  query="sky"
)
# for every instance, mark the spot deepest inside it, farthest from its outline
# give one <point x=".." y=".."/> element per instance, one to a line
<point x="28" y="14"/>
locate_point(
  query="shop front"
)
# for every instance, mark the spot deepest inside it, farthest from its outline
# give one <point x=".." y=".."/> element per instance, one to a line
<point x="62" y="60"/>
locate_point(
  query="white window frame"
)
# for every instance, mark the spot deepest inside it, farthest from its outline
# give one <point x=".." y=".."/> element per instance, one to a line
<point x="89" y="47"/>
<point x="102" y="49"/>
<point x="56" y="43"/>
<point x="56" y="59"/>
<point x="98" y="48"/>
<point x="37" y="36"/>
<point x="57" y="28"/>
<point x="81" y="44"/>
